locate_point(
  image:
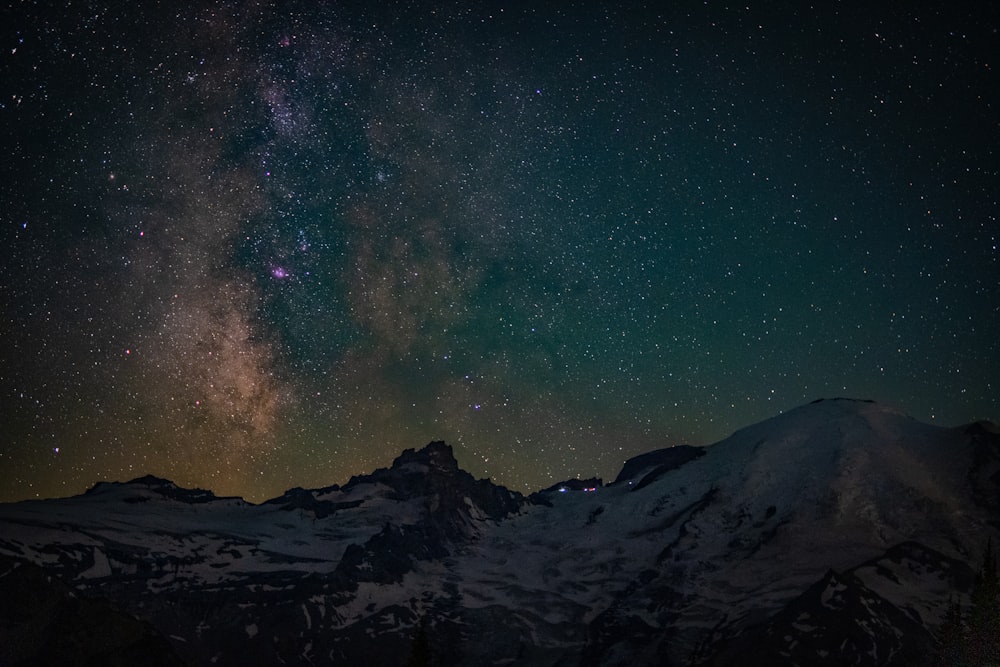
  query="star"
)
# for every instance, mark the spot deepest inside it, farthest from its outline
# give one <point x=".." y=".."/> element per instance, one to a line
<point x="345" y="235"/>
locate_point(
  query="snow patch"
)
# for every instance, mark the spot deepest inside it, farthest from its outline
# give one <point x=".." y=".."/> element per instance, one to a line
<point x="100" y="568"/>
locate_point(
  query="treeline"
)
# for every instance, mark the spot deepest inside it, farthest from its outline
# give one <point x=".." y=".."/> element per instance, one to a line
<point x="971" y="638"/>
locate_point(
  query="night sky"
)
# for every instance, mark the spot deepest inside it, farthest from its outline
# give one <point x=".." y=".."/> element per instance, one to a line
<point x="249" y="247"/>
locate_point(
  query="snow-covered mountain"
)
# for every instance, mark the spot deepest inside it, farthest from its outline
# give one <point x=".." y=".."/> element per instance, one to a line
<point x="832" y="534"/>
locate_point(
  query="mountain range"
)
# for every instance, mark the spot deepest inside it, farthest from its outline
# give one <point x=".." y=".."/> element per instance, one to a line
<point x="837" y="533"/>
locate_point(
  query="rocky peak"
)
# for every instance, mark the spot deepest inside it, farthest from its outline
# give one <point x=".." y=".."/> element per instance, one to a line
<point x="432" y="472"/>
<point x="140" y="489"/>
<point x="436" y="455"/>
<point x="454" y="505"/>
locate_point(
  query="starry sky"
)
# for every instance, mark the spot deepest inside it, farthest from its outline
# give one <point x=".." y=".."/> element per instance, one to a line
<point x="249" y="246"/>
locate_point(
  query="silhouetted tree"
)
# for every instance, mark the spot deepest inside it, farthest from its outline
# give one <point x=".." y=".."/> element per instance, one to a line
<point x="973" y="640"/>
<point x="420" y="649"/>
<point x="984" y="613"/>
<point x="952" y="636"/>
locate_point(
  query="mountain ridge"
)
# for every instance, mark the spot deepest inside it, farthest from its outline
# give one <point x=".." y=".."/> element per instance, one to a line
<point x="674" y="456"/>
<point x="689" y="556"/>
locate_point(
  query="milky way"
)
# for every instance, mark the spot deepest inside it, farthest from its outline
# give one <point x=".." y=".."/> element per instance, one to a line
<point x="254" y="247"/>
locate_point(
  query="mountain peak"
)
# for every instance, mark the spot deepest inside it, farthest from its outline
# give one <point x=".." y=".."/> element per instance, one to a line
<point x="436" y="454"/>
<point x="434" y="471"/>
<point x="841" y="398"/>
<point x="151" y="483"/>
<point x="850" y="405"/>
<point x="415" y="466"/>
<point x="840" y="528"/>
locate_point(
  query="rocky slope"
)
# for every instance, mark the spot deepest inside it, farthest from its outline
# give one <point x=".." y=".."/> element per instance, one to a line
<point x="832" y="534"/>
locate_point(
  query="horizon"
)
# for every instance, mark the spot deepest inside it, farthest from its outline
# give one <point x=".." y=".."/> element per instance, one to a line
<point x="526" y="492"/>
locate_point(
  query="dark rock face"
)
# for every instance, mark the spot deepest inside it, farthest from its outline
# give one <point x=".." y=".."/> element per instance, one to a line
<point x="658" y="462"/>
<point x="390" y="554"/>
<point x="837" y="621"/>
<point x="432" y="474"/>
<point x="984" y="473"/>
<point x="619" y="638"/>
<point x="834" y="534"/>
